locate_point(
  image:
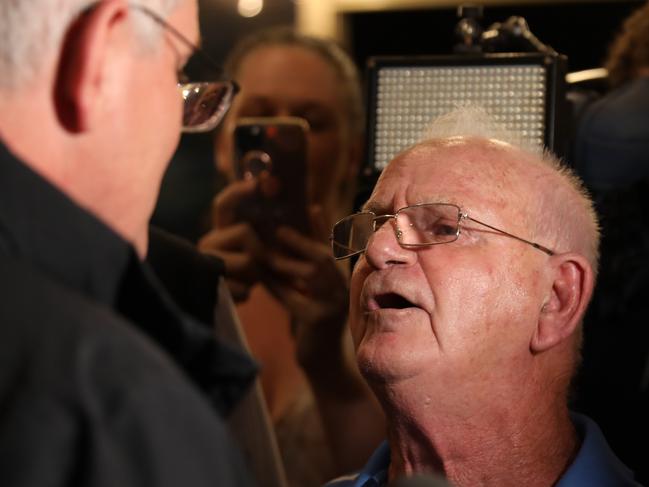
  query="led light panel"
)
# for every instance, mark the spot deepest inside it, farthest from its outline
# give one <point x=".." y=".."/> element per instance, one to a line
<point x="518" y="92"/>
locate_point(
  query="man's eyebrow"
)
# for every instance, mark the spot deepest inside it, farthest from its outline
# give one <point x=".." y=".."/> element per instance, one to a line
<point x="439" y="199"/>
<point x="381" y="209"/>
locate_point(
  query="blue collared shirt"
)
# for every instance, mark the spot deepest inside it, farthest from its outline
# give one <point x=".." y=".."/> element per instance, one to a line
<point x="594" y="466"/>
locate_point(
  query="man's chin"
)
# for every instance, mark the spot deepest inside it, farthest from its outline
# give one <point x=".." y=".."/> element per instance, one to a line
<point x="385" y="366"/>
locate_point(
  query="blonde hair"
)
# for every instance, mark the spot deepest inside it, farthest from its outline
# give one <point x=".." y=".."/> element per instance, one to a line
<point x="328" y="50"/>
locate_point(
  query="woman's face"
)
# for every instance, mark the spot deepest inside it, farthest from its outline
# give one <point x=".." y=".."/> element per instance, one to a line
<point x="281" y="80"/>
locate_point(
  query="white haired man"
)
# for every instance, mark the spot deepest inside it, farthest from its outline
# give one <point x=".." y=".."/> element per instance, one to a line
<point x="477" y="261"/>
<point x="96" y="359"/>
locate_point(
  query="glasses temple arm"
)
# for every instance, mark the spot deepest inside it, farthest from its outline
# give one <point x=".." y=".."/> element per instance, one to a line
<point x="351" y="251"/>
<point x="179" y="35"/>
<point x="520" y="239"/>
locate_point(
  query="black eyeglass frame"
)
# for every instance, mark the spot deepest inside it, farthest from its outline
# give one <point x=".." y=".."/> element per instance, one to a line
<point x="461" y="217"/>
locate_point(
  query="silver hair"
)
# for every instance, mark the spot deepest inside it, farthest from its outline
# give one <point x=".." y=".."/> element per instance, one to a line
<point x="32" y="31"/>
<point x="471" y="120"/>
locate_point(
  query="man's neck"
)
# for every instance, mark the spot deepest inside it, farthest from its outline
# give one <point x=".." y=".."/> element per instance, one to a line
<point x="31" y="131"/>
<point x="525" y="441"/>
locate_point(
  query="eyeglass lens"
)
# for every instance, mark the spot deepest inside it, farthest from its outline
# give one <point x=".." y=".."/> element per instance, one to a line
<point x="428" y="224"/>
<point x="350" y="235"/>
<point x="417" y="225"/>
<point x="205" y="104"/>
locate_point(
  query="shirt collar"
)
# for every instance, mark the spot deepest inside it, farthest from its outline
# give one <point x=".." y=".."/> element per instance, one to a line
<point x="375" y="471"/>
<point x="595" y="463"/>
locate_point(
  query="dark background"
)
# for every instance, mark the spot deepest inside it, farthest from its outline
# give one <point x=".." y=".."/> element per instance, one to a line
<point x="581" y="30"/>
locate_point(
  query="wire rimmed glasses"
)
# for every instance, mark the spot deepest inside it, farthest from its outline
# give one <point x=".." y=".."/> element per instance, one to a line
<point x="415" y="226"/>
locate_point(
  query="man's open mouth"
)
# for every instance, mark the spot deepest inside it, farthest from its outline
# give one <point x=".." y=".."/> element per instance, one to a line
<point x="392" y="300"/>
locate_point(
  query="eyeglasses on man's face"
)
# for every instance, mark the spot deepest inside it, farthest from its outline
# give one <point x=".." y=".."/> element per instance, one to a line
<point x="415" y="226"/>
<point x="206" y="102"/>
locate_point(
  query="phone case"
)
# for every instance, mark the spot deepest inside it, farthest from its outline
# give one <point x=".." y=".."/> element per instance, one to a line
<point x="273" y="151"/>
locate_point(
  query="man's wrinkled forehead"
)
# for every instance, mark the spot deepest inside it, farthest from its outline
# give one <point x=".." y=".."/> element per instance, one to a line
<point x="446" y="170"/>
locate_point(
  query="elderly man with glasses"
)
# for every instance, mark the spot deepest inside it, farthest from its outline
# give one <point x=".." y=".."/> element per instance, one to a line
<point x="477" y="259"/>
<point x="103" y="381"/>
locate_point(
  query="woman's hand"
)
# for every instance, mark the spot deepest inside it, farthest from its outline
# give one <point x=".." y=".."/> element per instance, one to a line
<point x="234" y="241"/>
<point x="304" y="276"/>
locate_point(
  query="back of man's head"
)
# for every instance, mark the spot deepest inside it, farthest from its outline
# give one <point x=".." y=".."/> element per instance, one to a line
<point x="32" y="33"/>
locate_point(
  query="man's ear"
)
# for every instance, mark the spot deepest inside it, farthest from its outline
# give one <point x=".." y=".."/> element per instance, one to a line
<point x="571" y="288"/>
<point x="81" y="75"/>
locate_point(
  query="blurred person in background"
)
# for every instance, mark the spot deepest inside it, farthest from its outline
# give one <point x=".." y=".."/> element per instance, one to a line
<point x="104" y="381"/>
<point x="612" y="155"/>
<point x="293" y="298"/>
<point x="612" y="140"/>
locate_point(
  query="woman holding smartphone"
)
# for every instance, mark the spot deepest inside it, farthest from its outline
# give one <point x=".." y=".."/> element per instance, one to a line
<point x="292" y="296"/>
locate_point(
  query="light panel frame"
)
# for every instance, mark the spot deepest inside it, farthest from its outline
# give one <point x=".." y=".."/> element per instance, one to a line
<point x="554" y="68"/>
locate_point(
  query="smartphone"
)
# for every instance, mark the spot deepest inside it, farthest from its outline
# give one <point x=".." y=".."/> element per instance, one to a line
<point x="272" y="150"/>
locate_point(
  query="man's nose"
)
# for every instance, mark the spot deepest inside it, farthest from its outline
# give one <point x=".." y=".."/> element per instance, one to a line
<point x="383" y="248"/>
